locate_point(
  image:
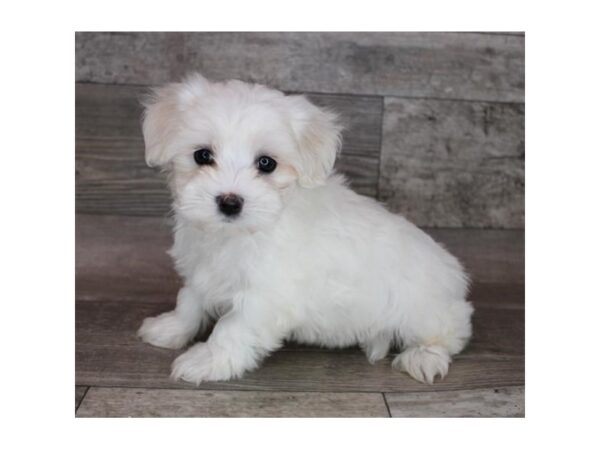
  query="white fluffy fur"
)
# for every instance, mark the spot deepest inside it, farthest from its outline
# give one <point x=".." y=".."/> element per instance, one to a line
<point x="307" y="260"/>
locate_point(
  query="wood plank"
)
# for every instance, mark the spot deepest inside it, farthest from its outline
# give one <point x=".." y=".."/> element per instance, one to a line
<point x="119" y="402"/>
<point x="498" y="295"/>
<point x="362" y="173"/>
<point x="340" y="371"/>
<point x="110" y="170"/>
<point x="80" y="392"/>
<point x="443" y="65"/>
<point x="111" y="173"/>
<point x="120" y="257"/>
<point x="146" y="57"/>
<point x="361" y="117"/>
<point x="498" y="402"/>
<point x="489" y="256"/>
<point x="109" y="354"/>
<point x="454" y="164"/>
<point x="123" y="257"/>
<point x="498" y="328"/>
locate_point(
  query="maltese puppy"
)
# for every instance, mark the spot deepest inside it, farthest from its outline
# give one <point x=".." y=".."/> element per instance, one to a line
<point x="271" y="243"/>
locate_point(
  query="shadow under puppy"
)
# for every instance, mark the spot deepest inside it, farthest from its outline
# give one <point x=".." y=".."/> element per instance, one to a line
<point x="274" y="245"/>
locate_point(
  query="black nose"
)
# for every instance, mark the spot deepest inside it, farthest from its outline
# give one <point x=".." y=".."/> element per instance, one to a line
<point x="230" y="204"/>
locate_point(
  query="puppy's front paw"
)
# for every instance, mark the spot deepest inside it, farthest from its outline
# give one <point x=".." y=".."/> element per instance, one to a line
<point x="166" y="331"/>
<point x="200" y="364"/>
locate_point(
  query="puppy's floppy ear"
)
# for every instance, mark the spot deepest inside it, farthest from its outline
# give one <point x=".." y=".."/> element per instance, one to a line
<point x="162" y="110"/>
<point x="318" y="134"/>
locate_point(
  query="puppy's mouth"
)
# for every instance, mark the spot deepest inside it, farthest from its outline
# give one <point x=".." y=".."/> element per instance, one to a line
<point x="231" y="219"/>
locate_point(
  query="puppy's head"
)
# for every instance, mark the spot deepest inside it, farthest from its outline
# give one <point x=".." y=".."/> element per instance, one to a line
<point x="234" y="150"/>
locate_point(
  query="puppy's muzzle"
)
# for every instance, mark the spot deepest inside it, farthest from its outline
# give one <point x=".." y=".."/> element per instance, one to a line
<point x="230" y="204"/>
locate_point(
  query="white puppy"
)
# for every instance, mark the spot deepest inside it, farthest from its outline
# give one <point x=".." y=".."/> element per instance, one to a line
<point x="273" y="244"/>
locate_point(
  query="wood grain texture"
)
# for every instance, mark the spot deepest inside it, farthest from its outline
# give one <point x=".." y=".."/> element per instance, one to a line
<point x="138" y="58"/>
<point x="124" y="258"/>
<point x="499" y="402"/>
<point x="121" y="257"/>
<point x="79" y="394"/>
<point x="119" y="402"/>
<point x="454" y="164"/>
<point x="489" y="256"/>
<point x="443" y="65"/>
<point x="124" y="275"/>
<point x="325" y="371"/>
<point x="498" y="326"/>
<point x="111" y="173"/>
<point x="109" y="354"/>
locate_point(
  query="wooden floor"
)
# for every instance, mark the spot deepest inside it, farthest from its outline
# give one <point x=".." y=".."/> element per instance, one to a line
<point x="124" y="275"/>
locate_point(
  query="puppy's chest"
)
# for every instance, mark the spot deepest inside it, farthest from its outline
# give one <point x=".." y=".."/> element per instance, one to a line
<point x="219" y="267"/>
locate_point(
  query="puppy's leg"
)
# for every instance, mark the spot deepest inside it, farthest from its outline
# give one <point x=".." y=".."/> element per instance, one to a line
<point x="431" y="344"/>
<point x="377" y="347"/>
<point x="237" y="344"/>
<point x="174" y="329"/>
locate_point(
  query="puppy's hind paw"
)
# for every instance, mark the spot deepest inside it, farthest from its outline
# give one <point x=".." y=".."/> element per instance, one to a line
<point x="424" y="363"/>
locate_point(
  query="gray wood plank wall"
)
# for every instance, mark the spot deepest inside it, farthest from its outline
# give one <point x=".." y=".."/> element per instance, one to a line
<point x="435" y="121"/>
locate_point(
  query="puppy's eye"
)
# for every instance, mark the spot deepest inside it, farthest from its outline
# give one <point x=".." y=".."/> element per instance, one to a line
<point x="203" y="157"/>
<point x="266" y="164"/>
